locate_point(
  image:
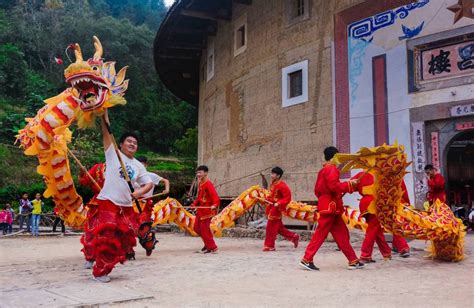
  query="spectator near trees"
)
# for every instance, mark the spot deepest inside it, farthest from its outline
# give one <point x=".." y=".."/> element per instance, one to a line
<point x="36" y="214"/>
<point x="24" y="209"/>
<point x="6" y="219"/>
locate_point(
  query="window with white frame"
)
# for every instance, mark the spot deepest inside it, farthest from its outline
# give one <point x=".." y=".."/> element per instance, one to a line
<point x="240" y="35"/>
<point x="210" y="61"/>
<point x="294" y="84"/>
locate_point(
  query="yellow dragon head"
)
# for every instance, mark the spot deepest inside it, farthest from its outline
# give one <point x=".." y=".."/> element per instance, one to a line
<point x="95" y="85"/>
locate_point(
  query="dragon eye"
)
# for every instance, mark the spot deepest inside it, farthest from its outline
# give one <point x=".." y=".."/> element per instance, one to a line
<point x="95" y="68"/>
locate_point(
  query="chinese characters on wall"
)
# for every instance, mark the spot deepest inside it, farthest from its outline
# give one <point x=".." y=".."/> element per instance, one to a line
<point x="419" y="157"/>
<point x="464" y="126"/>
<point x="435" y="150"/>
<point x="462" y="110"/>
<point x="448" y="61"/>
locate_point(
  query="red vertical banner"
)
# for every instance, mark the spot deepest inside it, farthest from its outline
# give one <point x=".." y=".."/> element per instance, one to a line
<point x="435" y="149"/>
<point x="379" y="85"/>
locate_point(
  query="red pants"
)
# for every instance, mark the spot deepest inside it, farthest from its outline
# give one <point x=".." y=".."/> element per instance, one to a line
<point x="203" y="229"/>
<point x="109" y="235"/>
<point x="275" y="227"/>
<point x="331" y="223"/>
<point x="374" y="234"/>
<point x="145" y="215"/>
<point x="400" y="244"/>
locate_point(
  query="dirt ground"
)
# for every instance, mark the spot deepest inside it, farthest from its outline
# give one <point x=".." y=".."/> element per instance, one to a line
<point x="48" y="271"/>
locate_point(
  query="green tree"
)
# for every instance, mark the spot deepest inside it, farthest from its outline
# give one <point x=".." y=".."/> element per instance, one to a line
<point x="188" y="145"/>
<point x="13" y="71"/>
<point x="43" y="29"/>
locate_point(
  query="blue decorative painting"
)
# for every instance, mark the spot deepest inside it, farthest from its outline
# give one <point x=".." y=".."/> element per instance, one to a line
<point x="366" y="27"/>
<point x="409" y="33"/>
<point x="360" y="36"/>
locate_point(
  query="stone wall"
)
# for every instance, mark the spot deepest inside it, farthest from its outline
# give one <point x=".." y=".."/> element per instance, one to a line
<point x="242" y="125"/>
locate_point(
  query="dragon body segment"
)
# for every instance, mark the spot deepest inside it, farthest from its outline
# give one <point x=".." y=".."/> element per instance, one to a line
<point x="171" y="211"/>
<point x="94" y="87"/>
<point x="439" y="225"/>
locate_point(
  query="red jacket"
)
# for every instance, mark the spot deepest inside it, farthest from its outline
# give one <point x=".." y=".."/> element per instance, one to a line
<point x="436" y="189"/>
<point x="329" y="190"/>
<point x="98" y="174"/>
<point x="6" y="217"/>
<point x="366" y="179"/>
<point x="279" y="193"/>
<point x="405" y="197"/>
<point x="207" y="197"/>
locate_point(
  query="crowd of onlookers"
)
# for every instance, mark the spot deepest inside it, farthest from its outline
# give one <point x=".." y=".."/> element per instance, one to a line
<point x="29" y="216"/>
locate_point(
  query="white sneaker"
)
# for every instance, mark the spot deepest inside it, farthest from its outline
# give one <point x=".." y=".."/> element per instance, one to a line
<point x="103" y="279"/>
<point x="88" y="264"/>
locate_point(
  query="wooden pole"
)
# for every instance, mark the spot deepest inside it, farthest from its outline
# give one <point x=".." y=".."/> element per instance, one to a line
<point x="84" y="170"/>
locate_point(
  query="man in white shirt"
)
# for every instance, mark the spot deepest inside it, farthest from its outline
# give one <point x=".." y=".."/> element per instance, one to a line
<point x="112" y="220"/>
<point x="155" y="178"/>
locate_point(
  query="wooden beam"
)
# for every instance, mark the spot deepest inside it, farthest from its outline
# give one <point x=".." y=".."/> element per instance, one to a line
<point x="199" y="14"/>
<point x="185" y="46"/>
<point x="247" y="2"/>
<point x="209" y="30"/>
<point x="206" y="15"/>
<point x="166" y="56"/>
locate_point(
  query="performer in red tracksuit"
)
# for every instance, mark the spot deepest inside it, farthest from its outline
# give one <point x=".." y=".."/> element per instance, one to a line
<point x="207" y="204"/>
<point x="280" y="196"/>
<point x="374" y="233"/>
<point x="435" y="185"/>
<point x="98" y="174"/>
<point x="398" y="242"/>
<point x="329" y="190"/>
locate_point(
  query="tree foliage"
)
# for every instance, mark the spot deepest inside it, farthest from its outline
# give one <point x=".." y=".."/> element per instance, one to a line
<point x="34" y="32"/>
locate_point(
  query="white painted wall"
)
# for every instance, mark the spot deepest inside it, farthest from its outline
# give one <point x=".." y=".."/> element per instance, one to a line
<point x="436" y="18"/>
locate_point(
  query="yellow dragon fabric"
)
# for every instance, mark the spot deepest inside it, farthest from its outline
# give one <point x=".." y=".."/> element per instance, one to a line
<point x="94" y="87"/>
<point x="171" y="211"/>
<point x="388" y="165"/>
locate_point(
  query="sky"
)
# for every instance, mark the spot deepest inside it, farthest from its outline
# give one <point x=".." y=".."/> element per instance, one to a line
<point x="168" y="3"/>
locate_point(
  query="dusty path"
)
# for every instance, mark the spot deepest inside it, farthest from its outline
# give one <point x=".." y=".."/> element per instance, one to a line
<point x="47" y="271"/>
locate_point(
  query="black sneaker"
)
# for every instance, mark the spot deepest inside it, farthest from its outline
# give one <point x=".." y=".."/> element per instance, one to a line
<point x="357" y="265"/>
<point x="130" y="255"/>
<point x="368" y="260"/>
<point x="203" y="250"/>
<point x="405" y="254"/>
<point x="309" y="266"/>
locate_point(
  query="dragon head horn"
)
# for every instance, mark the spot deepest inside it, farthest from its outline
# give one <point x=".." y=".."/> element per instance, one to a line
<point x="98" y="48"/>
<point x="78" y="53"/>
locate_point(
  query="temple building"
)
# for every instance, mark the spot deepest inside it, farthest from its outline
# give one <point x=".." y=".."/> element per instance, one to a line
<point x="278" y="81"/>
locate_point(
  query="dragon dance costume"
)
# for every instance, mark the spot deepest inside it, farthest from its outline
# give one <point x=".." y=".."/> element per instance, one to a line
<point x="375" y="232"/>
<point x="111" y="218"/>
<point x="280" y="194"/>
<point x="94" y="86"/>
<point x="97" y="172"/>
<point x="329" y="190"/>
<point x="436" y="189"/>
<point x="207" y="197"/>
